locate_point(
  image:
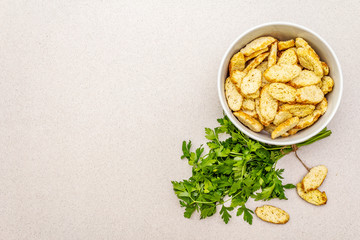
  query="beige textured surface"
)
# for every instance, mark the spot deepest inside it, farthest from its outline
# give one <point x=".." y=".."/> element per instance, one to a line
<point x="96" y="97"/>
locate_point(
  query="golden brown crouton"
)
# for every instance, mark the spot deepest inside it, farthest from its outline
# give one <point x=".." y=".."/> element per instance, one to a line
<point x="281" y="117"/>
<point x="314" y="196"/>
<point x="255" y="54"/>
<point x="248" y="121"/>
<point x="288" y="57"/>
<point x="325" y="68"/>
<point x="282" y="92"/>
<point x="262" y="67"/>
<point x="305" y="78"/>
<point x="268" y="105"/>
<point x="233" y="97"/>
<point x="308" y="120"/>
<point x="314" y="178"/>
<point x="262" y="120"/>
<point x="309" y="95"/>
<point x="248" y="104"/>
<point x="327" y="84"/>
<point x="270" y="128"/>
<point x="272" y="55"/>
<point x="310" y="61"/>
<point x="237" y="62"/>
<point x="298" y="110"/>
<point x="284" y="127"/>
<point x="254" y="63"/>
<point x="282" y="45"/>
<point x="251" y="82"/>
<point x="272" y="214"/>
<point x="236" y="78"/>
<point x="257" y="44"/>
<point x="322" y="106"/>
<point x="282" y="73"/>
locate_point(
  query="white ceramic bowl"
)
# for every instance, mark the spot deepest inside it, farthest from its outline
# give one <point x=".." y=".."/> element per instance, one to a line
<point x="285" y="31"/>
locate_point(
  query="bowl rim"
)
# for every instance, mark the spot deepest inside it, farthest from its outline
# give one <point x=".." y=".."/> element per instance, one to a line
<point x="274" y="141"/>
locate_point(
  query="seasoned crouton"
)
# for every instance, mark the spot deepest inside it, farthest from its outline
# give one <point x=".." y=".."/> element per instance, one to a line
<point x="237" y="62"/>
<point x="233" y="97"/>
<point x="282" y="92"/>
<point x="327" y="84"/>
<point x="257" y="44"/>
<point x="282" y="73"/>
<point x="314" y="178"/>
<point x="298" y="110"/>
<point x="268" y="105"/>
<point x="272" y="55"/>
<point x="305" y="78"/>
<point x="308" y="60"/>
<point x="308" y="120"/>
<point x="284" y="127"/>
<point x="254" y="63"/>
<point x="288" y="57"/>
<point x="255" y="54"/>
<point x="325" y="68"/>
<point x="261" y="118"/>
<point x="248" y="104"/>
<point x="282" y="45"/>
<point x="251" y="82"/>
<point x="309" y="95"/>
<point x="314" y="196"/>
<point x="249" y="121"/>
<point x="281" y="117"/>
<point x="322" y="106"/>
<point x="272" y="214"/>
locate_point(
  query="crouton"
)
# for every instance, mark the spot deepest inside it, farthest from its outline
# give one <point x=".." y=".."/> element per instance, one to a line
<point x="248" y="104"/>
<point x="282" y="73"/>
<point x="308" y="60"/>
<point x="309" y="95"/>
<point x="284" y="127"/>
<point x="281" y="117"/>
<point x="314" y="196"/>
<point x="233" y="97"/>
<point x="308" y="120"/>
<point x="254" y="63"/>
<point x="257" y="44"/>
<point x="272" y="55"/>
<point x="249" y="121"/>
<point x="282" y="45"/>
<point x="237" y="62"/>
<point x="298" y="110"/>
<point x="322" y="106"/>
<point x="251" y="82"/>
<point x="255" y="54"/>
<point x="282" y="92"/>
<point x="268" y="105"/>
<point x="272" y="214"/>
<point x="288" y="57"/>
<point x="327" y="84"/>
<point x="314" y="178"/>
<point x="305" y="78"/>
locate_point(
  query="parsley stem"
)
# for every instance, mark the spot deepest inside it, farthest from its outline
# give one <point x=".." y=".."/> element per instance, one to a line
<point x="201" y="202"/>
<point x="235" y="153"/>
<point x="229" y="199"/>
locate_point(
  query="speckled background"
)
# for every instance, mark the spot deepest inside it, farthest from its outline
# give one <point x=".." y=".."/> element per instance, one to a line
<point x="97" y="96"/>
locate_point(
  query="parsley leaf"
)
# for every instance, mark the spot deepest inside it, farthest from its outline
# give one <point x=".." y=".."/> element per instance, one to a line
<point x="289" y="186"/>
<point x="225" y="214"/>
<point x="189" y="211"/>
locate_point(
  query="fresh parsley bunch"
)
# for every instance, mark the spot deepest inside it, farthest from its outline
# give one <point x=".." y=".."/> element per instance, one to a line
<point x="238" y="167"/>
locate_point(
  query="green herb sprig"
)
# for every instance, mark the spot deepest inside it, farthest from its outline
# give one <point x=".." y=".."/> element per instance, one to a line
<point x="233" y="170"/>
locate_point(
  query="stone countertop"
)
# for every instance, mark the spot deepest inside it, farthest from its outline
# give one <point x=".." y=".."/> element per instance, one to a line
<point x="97" y="96"/>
